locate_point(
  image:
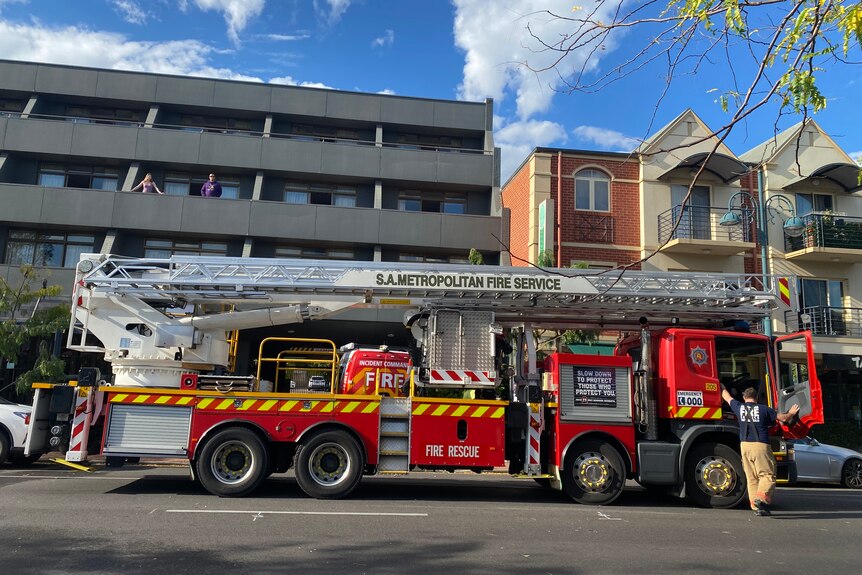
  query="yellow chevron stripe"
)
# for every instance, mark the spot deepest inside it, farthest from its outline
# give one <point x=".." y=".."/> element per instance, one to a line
<point x="441" y="409"/>
<point x="683" y="411"/>
<point x="350" y="407"/>
<point x="225" y="403"/>
<point x="119" y="397"/>
<point x="420" y="409"/>
<point x="141" y="399"/>
<point x="480" y="411"/>
<point x="328" y="407"/>
<point x="716" y="414"/>
<point x="460" y="410"/>
<point x="370" y="408"/>
<point x="204" y="402"/>
<point x="246" y="404"/>
<point x="184" y="400"/>
<point x="267" y="405"/>
<point x="163" y="399"/>
<point x="288" y="405"/>
<point x="700" y="413"/>
<point x="499" y="413"/>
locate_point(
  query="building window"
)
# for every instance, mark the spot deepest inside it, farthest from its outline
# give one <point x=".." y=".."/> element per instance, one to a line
<point x="215" y="124"/>
<point x="325" y="133"/>
<point x="314" y="253"/>
<point x="163" y="248"/>
<point x="118" y="116"/>
<point x="423" y="142"/>
<point x="180" y="184"/>
<point x="320" y="194"/>
<point x="447" y="203"/>
<point x="809" y="203"/>
<point x="47" y="249"/>
<point x="91" y="177"/>
<point x="433" y="259"/>
<point x="10" y="107"/>
<point x="592" y="191"/>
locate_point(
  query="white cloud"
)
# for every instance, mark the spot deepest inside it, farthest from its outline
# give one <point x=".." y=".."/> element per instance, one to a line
<point x="497" y="45"/>
<point x="331" y="10"/>
<point x="290" y="81"/>
<point x="517" y="139"/>
<point x="2" y="2"/>
<point x="237" y="13"/>
<point x="387" y="39"/>
<point x="286" y="37"/>
<point x="857" y="156"/>
<point x="607" y="139"/>
<point x="130" y="11"/>
<point x="387" y="92"/>
<point x="82" y="47"/>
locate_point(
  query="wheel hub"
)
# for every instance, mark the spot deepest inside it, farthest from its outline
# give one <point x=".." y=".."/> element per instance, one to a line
<point x="715" y="476"/>
<point x="232" y="463"/>
<point x="329" y="464"/>
<point x="593" y="471"/>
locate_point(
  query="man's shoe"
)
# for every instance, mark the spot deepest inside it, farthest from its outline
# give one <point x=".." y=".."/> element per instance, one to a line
<point x="761" y="508"/>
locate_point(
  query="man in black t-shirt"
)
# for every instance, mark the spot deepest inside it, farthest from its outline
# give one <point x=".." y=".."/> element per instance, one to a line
<point x="758" y="462"/>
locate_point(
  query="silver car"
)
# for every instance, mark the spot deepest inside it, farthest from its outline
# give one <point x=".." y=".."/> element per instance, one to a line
<point x="820" y="463"/>
<point x="13" y="432"/>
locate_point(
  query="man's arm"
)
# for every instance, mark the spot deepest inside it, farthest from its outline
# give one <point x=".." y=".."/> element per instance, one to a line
<point x="787" y="417"/>
<point x="725" y="395"/>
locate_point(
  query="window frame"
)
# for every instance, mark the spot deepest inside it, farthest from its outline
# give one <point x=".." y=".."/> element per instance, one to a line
<point x="314" y="193"/>
<point x="812" y="199"/>
<point x="318" y="253"/>
<point x="181" y="246"/>
<point x="426" y="199"/>
<point x="63" y="239"/>
<point x="77" y="174"/>
<point x="591" y="180"/>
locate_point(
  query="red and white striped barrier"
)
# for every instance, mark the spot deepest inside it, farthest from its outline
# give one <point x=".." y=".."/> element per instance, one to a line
<point x="461" y="377"/>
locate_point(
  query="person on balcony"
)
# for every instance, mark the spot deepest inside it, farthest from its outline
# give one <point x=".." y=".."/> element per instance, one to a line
<point x="211" y="188"/>
<point x="148" y="186"/>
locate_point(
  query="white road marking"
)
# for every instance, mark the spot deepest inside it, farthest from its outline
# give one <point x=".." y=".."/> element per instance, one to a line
<point x="262" y="513"/>
<point x="608" y="517"/>
<point x="113" y="477"/>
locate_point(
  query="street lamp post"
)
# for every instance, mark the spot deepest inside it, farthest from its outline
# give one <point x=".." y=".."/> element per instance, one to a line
<point x="793" y="225"/>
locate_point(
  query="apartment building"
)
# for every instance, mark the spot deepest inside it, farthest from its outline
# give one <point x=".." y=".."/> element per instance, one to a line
<point x="616" y="209"/>
<point x="304" y="172"/>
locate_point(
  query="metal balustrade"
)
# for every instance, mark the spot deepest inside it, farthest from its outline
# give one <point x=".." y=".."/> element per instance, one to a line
<point x="701" y="223"/>
<point x="824" y="320"/>
<point x="827" y="230"/>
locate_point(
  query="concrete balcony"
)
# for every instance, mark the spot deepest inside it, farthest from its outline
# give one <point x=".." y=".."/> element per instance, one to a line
<point x="698" y="232"/>
<point x="827" y="238"/>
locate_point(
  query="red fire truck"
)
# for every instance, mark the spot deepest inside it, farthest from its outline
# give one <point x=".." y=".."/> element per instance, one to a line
<point x="583" y="424"/>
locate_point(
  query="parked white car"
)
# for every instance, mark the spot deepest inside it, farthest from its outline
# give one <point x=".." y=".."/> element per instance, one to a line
<point x="317" y="383"/>
<point x="14" y="419"/>
<point x="820" y="463"/>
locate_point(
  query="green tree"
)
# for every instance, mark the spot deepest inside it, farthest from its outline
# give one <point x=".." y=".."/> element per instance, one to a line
<point x="23" y="316"/>
<point x="475" y="257"/>
<point x="546" y="259"/>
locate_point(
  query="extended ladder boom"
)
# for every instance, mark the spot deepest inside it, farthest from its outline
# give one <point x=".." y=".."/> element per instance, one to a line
<point x="514" y="293"/>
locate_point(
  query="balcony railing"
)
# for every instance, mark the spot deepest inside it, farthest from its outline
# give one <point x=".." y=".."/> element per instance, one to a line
<point x="594" y="228"/>
<point x="822" y="320"/>
<point x="826" y="230"/>
<point x="700" y="223"/>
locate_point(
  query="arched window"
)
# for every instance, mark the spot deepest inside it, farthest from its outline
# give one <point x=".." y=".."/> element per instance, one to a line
<point x="592" y="191"/>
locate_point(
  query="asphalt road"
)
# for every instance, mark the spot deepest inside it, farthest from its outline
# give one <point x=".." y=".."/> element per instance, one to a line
<point x="143" y="519"/>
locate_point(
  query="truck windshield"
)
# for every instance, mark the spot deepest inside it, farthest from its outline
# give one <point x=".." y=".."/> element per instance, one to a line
<point x="742" y="364"/>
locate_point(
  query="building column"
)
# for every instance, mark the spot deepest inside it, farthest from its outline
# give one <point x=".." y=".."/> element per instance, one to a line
<point x="3" y="157"/>
<point x="378" y="194"/>
<point x="246" y="247"/>
<point x="28" y="108"/>
<point x="378" y="253"/>
<point x="132" y="176"/>
<point x="378" y="136"/>
<point x="267" y="126"/>
<point x="152" y="116"/>
<point x="258" y="185"/>
<point x="109" y="243"/>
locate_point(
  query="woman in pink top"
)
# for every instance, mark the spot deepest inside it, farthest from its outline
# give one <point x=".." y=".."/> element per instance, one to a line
<point x="148" y="186"/>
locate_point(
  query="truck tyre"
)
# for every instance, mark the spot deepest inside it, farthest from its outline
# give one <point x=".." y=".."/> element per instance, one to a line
<point x="329" y="465"/>
<point x="232" y="463"/>
<point x="714" y="476"/>
<point x="594" y="473"/>
<point x="21" y="460"/>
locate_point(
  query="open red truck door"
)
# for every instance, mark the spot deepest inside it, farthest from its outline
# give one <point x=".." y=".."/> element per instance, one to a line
<point x="797" y="383"/>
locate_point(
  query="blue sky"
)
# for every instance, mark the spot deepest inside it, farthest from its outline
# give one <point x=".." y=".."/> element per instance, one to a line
<point x="460" y="49"/>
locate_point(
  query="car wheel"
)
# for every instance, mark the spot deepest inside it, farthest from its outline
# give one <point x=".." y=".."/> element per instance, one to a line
<point x="232" y="463"/>
<point x="714" y="476"/>
<point x="22" y="460"/>
<point x="329" y="465"/>
<point x="4" y="447"/>
<point x="594" y="473"/>
<point x="851" y="474"/>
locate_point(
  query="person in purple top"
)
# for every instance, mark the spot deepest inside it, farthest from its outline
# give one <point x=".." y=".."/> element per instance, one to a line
<point x="211" y="188"/>
<point x="148" y="186"/>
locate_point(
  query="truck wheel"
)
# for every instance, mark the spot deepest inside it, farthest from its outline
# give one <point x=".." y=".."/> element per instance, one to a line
<point x="329" y="465"/>
<point x="232" y="463"/>
<point x="714" y="476"/>
<point x="594" y="473"/>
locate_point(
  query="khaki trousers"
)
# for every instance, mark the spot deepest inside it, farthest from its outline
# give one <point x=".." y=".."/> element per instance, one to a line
<point x="759" y="466"/>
